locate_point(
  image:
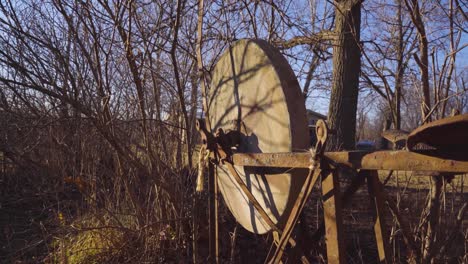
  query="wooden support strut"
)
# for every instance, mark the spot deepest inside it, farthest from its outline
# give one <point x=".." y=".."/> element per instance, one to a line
<point x="213" y="215"/>
<point x="334" y="234"/>
<point x="377" y="198"/>
<point x="293" y="218"/>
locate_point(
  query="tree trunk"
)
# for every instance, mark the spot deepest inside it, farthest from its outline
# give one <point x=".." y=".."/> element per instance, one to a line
<point x="423" y="60"/>
<point x="400" y="69"/>
<point x="346" y="69"/>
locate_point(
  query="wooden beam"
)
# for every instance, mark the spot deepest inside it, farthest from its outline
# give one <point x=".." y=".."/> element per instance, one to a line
<point x="378" y="160"/>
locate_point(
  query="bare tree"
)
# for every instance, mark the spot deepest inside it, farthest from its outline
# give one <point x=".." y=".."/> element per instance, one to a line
<point x="346" y="69"/>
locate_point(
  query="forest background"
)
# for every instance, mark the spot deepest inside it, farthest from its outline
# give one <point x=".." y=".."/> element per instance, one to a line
<point x="98" y="101"/>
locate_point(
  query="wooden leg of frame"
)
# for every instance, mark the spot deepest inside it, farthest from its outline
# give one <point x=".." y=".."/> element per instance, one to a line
<point x="334" y="233"/>
<point x="213" y="214"/>
<point x="195" y="216"/>
<point x="380" y="229"/>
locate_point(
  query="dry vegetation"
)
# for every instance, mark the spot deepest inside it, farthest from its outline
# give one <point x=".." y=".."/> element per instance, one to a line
<point x="97" y="107"/>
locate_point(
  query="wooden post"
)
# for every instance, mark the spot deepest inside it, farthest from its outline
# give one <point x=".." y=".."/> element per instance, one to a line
<point x="334" y="235"/>
<point x="195" y="230"/>
<point x="213" y="214"/>
<point x="381" y="233"/>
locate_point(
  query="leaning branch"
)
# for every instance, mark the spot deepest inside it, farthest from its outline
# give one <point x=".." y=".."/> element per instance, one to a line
<point x="201" y="72"/>
<point x="320" y="37"/>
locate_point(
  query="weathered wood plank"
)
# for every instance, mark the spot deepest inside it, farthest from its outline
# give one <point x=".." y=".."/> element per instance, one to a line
<point x="378" y="160"/>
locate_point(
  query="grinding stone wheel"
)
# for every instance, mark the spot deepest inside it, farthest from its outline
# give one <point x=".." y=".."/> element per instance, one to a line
<point x="255" y="91"/>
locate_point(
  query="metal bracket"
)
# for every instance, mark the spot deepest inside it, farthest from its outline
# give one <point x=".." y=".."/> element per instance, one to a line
<point x="220" y="144"/>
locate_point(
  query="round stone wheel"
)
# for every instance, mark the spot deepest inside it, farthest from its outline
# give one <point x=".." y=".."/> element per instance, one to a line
<point x="254" y="91"/>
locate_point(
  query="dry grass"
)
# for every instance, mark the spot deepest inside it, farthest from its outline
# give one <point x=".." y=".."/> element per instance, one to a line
<point x="47" y="220"/>
<point x="408" y="179"/>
